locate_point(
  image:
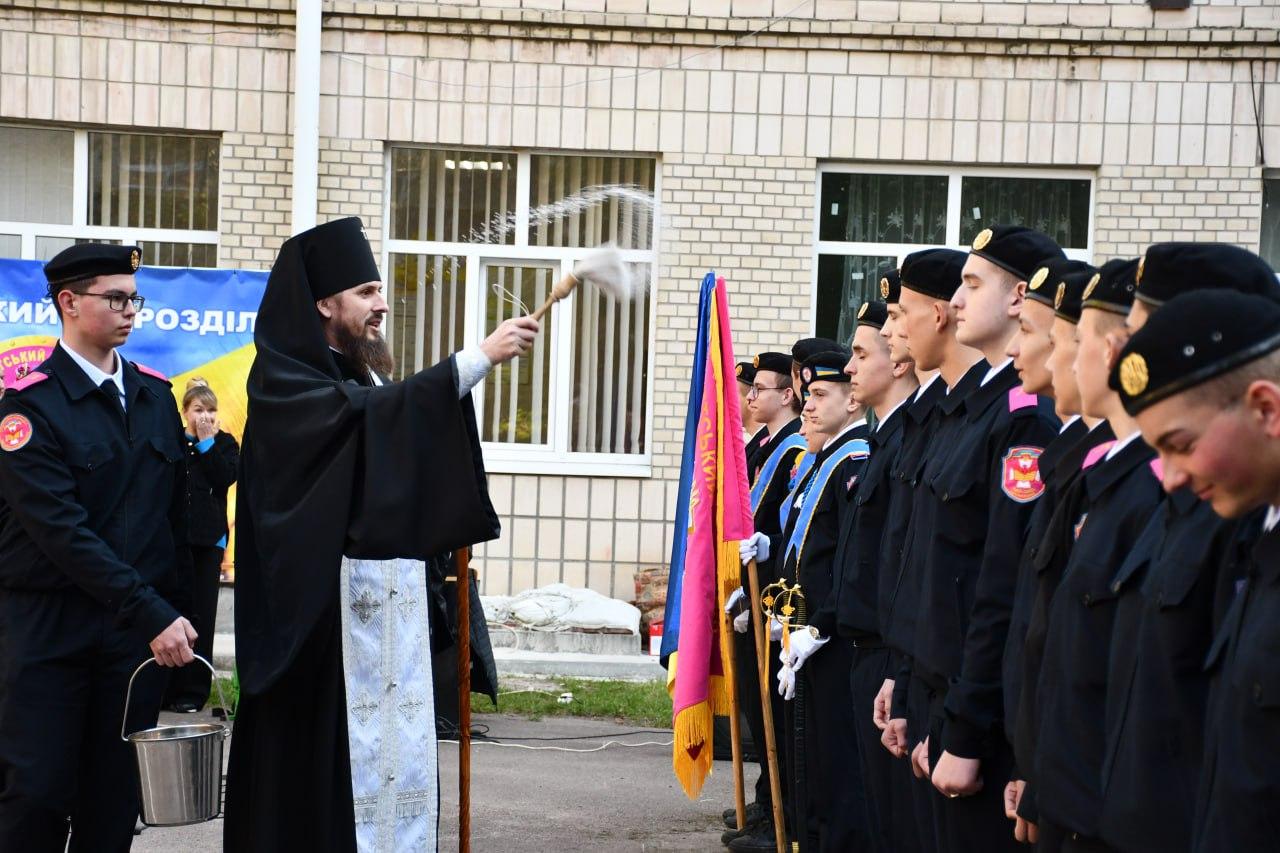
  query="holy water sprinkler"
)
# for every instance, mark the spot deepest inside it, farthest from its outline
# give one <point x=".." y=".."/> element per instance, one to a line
<point x="603" y="268"/>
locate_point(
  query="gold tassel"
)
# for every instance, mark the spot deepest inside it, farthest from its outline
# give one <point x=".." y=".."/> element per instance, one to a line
<point x="691" y="758"/>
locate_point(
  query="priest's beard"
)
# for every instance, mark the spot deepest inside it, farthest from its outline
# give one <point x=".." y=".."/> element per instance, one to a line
<point x="367" y="354"/>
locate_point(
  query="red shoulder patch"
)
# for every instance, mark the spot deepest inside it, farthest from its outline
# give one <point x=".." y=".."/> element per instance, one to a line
<point x="1019" y="399"/>
<point x="1020" y="473"/>
<point x="15" y="432"/>
<point x="35" y="377"/>
<point x="142" y="368"/>
<point x="1096" y="454"/>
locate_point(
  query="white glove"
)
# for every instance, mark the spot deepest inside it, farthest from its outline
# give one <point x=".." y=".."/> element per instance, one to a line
<point x="802" y="646"/>
<point x="755" y="548"/>
<point x="737" y="596"/>
<point x="775" y="628"/>
<point x="742" y="621"/>
<point x="787" y="683"/>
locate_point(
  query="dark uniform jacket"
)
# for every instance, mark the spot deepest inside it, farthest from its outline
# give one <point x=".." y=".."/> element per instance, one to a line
<point x="812" y="567"/>
<point x="210" y="475"/>
<point x="1121" y="495"/>
<point x="1240" y="783"/>
<point x="903" y="616"/>
<point x="978" y="498"/>
<point x="1050" y="562"/>
<point x="756" y="452"/>
<point x="767" y="513"/>
<point x="1169" y="587"/>
<point x="1059" y="463"/>
<point x="94" y="500"/>
<point x="865" y="517"/>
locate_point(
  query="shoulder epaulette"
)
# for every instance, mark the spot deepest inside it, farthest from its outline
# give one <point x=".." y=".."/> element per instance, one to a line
<point x="35" y="377"/>
<point x="1157" y="468"/>
<point x="1019" y="399"/>
<point x="1092" y="457"/>
<point x="142" y="368"/>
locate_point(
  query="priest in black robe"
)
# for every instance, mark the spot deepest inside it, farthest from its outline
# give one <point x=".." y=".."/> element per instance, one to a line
<point x="351" y="489"/>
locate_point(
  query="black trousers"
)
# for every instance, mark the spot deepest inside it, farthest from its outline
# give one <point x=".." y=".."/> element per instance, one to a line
<point x="191" y="683"/>
<point x="838" y="813"/>
<point x="924" y="797"/>
<point x="64" y="668"/>
<point x="887" y="787"/>
<point x="976" y="823"/>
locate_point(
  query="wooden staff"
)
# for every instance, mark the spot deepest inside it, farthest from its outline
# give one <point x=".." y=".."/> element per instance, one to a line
<point x="462" y="583"/>
<point x="735" y="737"/>
<point x="758" y="616"/>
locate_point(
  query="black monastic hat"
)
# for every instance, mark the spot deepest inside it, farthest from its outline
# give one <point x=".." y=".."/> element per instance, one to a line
<point x="1194" y="338"/>
<point x="337" y="257"/>
<point x="1016" y="249"/>
<point x="1168" y="269"/>
<point x="933" y="272"/>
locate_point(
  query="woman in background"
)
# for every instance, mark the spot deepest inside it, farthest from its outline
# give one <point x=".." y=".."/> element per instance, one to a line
<point x="212" y="458"/>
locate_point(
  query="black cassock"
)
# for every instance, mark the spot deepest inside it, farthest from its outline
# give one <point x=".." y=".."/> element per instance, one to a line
<point x="329" y="467"/>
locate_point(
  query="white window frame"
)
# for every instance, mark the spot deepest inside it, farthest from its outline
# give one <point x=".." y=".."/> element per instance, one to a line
<point x="80" y="229"/>
<point x="954" y="174"/>
<point x="555" y="457"/>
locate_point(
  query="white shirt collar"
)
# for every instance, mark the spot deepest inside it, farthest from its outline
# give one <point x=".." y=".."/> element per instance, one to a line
<point x="925" y="387"/>
<point x="1122" y="443"/>
<point x="96" y="375"/>
<point x="832" y="440"/>
<point x="1273" y="517"/>
<point x="1067" y="425"/>
<point x="995" y="369"/>
<point x="889" y="414"/>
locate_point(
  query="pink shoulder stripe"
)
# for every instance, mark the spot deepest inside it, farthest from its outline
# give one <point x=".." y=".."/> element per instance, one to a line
<point x="33" y="378"/>
<point x="1096" y="454"/>
<point x="142" y="368"/>
<point x="1019" y="399"/>
<point x="1157" y="468"/>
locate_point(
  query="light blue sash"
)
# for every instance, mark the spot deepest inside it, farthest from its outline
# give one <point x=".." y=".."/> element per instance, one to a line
<point x="770" y="467"/>
<point x="803" y="464"/>
<point x="855" y="449"/>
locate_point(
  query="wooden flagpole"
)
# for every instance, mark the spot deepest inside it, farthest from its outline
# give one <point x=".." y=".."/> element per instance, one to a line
<point x="462" y="583"/>
<point x="766" y="707"/>
<point x="735" y="737"/>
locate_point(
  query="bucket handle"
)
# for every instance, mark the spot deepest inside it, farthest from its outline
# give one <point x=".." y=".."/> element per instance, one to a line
<point x="129" y="691"/>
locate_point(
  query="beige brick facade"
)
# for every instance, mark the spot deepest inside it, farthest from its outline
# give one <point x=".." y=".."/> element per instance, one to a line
<point x="1172" y="113"/>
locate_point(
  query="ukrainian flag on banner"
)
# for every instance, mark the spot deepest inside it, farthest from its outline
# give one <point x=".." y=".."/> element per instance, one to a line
<point x="712" y="515"/>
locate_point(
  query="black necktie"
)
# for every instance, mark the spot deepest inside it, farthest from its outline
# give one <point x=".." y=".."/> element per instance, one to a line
<point x="112" y="390"/>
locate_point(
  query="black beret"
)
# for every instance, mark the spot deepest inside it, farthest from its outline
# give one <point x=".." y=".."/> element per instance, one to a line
<point x="826" y="366"/>
<point x="1192" y="339"/>
<point x="1168" y="269"/>
<point x="745" y="371"/>
<point x="1016" y="249"/>
<point x="1043" y="284"/>
<point x="777" y="362"/>
<point x="1114" y="287"/>
<point x="933" y="272"/>
<point x="90" y="260"/>
<point x="873" y="314"/>
<point x="805" y="347"/>
<point x="1070" y="291"/>
<point x="337" y="257"/>
<point x="890" y="285"/>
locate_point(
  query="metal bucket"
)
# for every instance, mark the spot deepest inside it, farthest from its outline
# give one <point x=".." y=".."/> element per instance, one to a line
<point x="179" y="767"/>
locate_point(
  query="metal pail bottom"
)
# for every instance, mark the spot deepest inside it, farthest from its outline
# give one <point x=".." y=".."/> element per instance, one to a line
<point x="179" y="769"/>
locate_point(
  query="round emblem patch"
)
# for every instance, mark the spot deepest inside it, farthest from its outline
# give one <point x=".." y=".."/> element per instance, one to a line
<point x="862" y="310"/>
<point x="15" y="432"/>
<point x="1062" y="292"/>
<point x="738" y="370"/>
<point x="884" y="288"/>
<point x="755" y="362"/>
<point x="1093" y="282"/>
<point x="1038" y="278"/>
<point x="984" y="237"/>
<point x="807" y="375"/>
<point x="1133" y="374"/>
<point x="135" y="260"/>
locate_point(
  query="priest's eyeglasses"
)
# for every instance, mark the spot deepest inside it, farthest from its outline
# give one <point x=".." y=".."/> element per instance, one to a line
<point x="757" y="390"/>
<point x="116" y="300"/>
